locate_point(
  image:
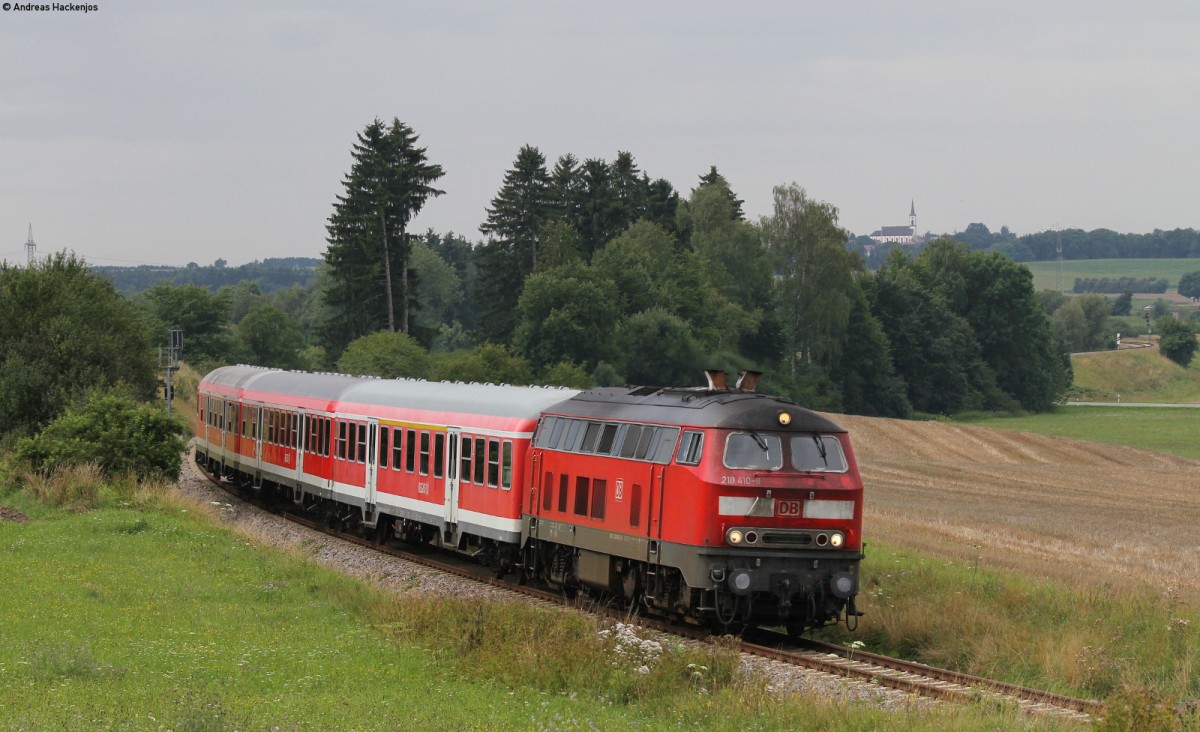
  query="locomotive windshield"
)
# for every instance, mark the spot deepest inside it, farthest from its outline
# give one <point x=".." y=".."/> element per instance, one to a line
<point x="817" y="453"/>
<point x="806" y="453"/>
<point x="752" y="451"/>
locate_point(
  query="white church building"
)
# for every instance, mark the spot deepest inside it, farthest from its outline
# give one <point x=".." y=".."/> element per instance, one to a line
<point x="899" y="234"/>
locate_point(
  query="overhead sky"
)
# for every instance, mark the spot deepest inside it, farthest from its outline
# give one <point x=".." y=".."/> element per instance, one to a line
<point x="163" y="133"/>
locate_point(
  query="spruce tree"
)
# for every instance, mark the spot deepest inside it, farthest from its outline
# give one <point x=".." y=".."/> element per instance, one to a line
<point x="389" y="182"/>
<point x="510" y="254"/>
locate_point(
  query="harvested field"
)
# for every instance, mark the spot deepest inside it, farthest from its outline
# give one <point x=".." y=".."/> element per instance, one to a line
<point x="1048" y="506"/>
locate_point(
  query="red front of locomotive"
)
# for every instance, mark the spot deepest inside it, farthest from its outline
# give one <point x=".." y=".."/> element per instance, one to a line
<point x="718" y="504"/>
<point x="769" y="507"/>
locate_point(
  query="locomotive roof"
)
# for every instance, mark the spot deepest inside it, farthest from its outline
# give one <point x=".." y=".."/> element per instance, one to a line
<point x="699" y="407"/>
<point x="439" y="396"/>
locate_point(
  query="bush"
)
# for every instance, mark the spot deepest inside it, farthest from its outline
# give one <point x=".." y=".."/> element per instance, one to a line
<point x="1178" y="340"/>
<point x="112" y="432"/>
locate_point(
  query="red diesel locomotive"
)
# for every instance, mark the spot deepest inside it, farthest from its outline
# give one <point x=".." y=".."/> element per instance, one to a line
<point x="714" y="504"/>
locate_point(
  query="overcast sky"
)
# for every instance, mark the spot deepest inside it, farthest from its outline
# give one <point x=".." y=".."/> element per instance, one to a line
<point x="163" y="133"/>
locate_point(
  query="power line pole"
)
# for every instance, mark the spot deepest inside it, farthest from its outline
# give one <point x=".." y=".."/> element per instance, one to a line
<point x="30" y="249"/>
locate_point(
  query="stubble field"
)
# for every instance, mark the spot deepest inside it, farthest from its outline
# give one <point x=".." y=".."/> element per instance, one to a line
<point x="1088" y="514"/>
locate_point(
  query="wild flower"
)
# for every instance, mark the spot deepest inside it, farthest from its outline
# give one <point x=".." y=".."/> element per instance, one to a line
<point x="629" y="649"/>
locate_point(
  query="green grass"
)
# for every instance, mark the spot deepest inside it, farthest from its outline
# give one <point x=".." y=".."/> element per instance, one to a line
<point x="151" y="616"/>
<point x="1004" y="625"/>
<point x="1045" y="274"/>
<point x="1138" y="375"/>
<point x="1165" y="429"/>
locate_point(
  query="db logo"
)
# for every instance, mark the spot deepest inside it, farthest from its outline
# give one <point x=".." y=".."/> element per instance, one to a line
<point x="620" y="489"/>
<point x="790" y="508"/>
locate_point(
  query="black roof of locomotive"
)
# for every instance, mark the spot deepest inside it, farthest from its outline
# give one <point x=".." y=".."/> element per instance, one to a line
<point x="697" y="407"/>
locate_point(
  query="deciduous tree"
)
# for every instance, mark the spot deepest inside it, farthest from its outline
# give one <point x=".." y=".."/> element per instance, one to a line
<point x="65" y="332"/>
<point x="815" y="273"/>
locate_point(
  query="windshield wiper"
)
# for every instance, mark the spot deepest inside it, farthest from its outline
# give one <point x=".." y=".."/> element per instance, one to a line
<point x="761" y="442"/>
<point x="821" y="449"/>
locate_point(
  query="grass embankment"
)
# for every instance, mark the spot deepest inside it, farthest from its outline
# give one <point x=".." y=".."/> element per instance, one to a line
<point x="1136" y="375"/>
<point x="143" y="613"/>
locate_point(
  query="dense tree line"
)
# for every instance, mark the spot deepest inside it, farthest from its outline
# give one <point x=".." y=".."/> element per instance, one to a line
<point x="268" y="275"/>
<point x="596" y="272"/>
<point x="1043" y="246"/>
<point x="1109" y="285"/>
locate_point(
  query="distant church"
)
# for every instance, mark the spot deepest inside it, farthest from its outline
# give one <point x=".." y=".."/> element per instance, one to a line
<point x="899" y="234"/>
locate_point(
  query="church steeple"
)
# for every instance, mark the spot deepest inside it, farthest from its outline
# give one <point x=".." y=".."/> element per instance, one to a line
<point x="912" y="215"/>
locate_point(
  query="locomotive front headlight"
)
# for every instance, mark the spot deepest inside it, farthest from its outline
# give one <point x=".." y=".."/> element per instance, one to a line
<point x="836" y="541"/>
<point x="734" y="536"/>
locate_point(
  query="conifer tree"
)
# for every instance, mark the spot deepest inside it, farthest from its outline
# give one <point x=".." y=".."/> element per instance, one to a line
<point x="510" y="255"/>
<point x="388" y="184"/>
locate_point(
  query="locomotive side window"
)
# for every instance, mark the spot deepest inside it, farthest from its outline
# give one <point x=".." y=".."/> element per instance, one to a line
<point x="480" y="466"/>
<point x="630" y="442"/>
<point x="506" y="466"/>
<point x="424" y="453"/>
<point x="691" y="448"/>
<point x="383" y="446"/>
<point x="556" y="435"/>
<point x="606" y="439"/>
<point x="581" y="496"/>
<point x="545" y="431"/>
<point x="548" y="491"/>
<point x="439" y="454"/>
<point x="599" y="489"/>
<point x="752" y="451"/>
<point x="571" y="439"/>
<point x="466" y="459"/>
<point x="644" y="442"/>
<point x="664" y="445"/>
<point x="591" y="437"/>
<point x="410" y="462"/>
<point x="817" y="453"/>
<point x="493" y="475"/>
<point x="397" y="451"/>
<point x="563" y="484"/>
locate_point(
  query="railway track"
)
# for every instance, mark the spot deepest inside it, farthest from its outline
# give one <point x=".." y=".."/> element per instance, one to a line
<point x="907" y="676"/>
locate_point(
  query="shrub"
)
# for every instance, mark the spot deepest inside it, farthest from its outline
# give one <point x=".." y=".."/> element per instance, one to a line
<point x="112" y="432"/>
<point x="1178" y="340"/>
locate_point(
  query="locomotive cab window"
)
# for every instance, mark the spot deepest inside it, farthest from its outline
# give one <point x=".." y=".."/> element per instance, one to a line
<point x="753" y="451"/>
<point x="691" y="448"/>
<point x="817" y="453"/>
